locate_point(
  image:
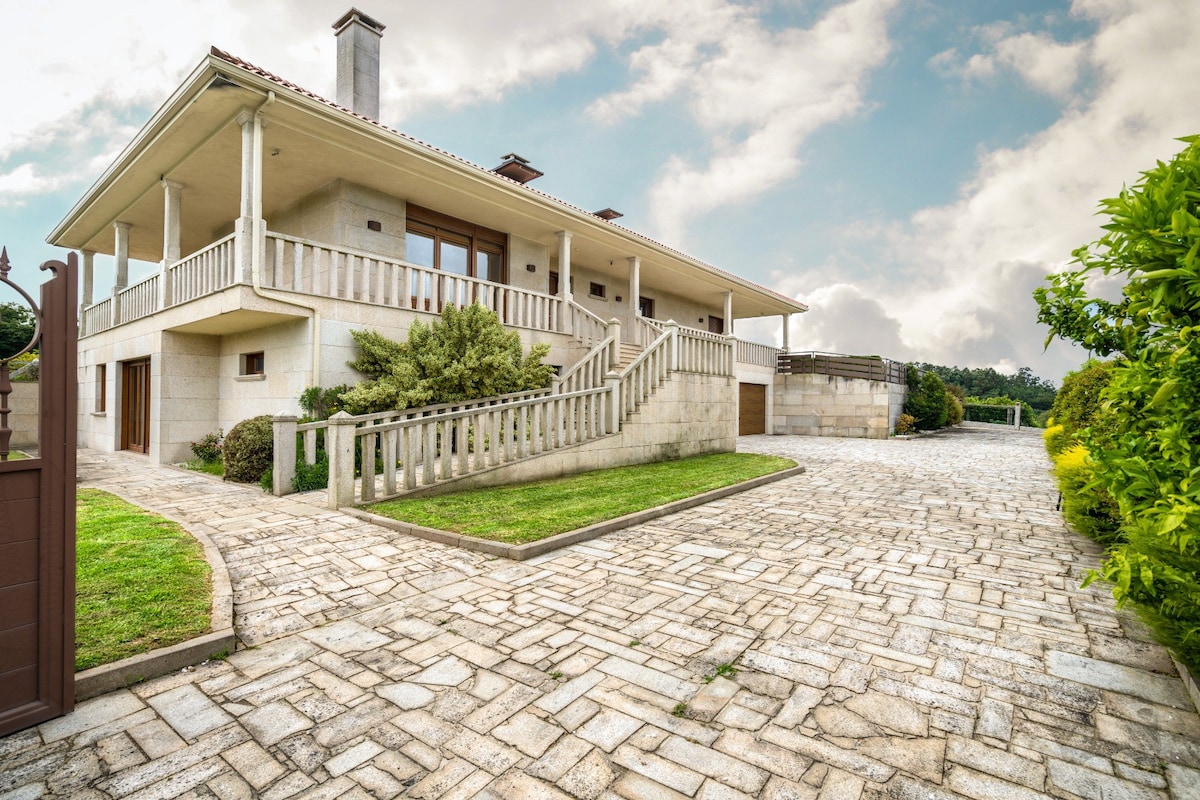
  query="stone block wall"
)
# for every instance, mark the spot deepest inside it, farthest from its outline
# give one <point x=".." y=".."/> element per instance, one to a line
<point x="23" y="418"/>
<point x="824" y="405"/>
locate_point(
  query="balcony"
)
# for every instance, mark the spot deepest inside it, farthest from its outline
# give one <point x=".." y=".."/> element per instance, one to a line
<point x="304" y="267"/>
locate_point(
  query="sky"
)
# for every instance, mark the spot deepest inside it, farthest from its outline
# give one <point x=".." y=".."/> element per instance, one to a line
<point x="910" y="169"/>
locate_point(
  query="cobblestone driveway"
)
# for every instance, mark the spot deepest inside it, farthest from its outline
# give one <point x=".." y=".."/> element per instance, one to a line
<point x="903" y="621"/>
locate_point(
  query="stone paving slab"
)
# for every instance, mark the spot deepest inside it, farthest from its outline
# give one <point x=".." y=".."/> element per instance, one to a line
<point x="904" y="620"/>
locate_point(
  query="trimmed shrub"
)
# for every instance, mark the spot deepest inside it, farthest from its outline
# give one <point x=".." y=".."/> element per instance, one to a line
<point x="465" y="355"/>
<point x="954" y="408"/>
<point x="905" y="424"/>
<point x="926" y="400"/>
<point x="1088" y="508"/>
<point x="249" y="450"/>
<point x="1078" y="404"/>
<point x="1056" y="439"/>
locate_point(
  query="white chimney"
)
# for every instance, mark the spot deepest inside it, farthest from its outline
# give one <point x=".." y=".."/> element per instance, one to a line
<point x="358" y="63"/>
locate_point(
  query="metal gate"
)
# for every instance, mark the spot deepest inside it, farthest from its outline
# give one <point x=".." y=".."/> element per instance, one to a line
<point x="37" y="519"/>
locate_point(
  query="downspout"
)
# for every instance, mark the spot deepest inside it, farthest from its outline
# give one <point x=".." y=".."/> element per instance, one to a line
<point x="260" y="234"/>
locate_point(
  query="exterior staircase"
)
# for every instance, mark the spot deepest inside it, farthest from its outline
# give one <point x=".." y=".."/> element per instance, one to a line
<point x="403" y="451"/>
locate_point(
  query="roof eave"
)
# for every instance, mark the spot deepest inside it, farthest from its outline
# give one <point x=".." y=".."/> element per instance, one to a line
<point x="196" y="82"/>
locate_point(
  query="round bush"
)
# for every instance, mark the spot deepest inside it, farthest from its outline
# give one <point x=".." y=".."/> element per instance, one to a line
<point x="249" y="450"/>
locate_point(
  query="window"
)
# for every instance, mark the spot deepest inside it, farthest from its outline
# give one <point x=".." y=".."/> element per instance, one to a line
<point x="646" y="307"/>
<point x="716" y="324"/>
<point x="253" y="364"/>
<point x="453" y="245"/>
<point x="101" y="390"/>
<point x="596" y="290"/>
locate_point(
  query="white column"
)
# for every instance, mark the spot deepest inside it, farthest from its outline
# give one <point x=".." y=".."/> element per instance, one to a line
<point x="121" y="254"/>
<point x="243" y="227"/>
<point x="246" y="121"/>
<point x="729" y="312"/>
<point x="171" y="231"/>
<point x="635" y="285"/>
<point x="172" y="193"/>
<point x="88" y="277"/>
<point x="564" y="265"/>
<point x="787" y="323"/>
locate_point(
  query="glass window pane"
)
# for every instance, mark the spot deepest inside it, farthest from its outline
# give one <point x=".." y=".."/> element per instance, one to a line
<point x="418" y="249"/>
<point x="453" y="258"/>
<point x="487" y="266"/>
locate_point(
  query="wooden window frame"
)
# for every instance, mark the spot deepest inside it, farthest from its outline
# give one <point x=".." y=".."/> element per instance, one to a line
<point x="477" y="238"/>
<point x="101" y="389"/>
<point x="252" y="364"/>
<point x="597" y="290"/>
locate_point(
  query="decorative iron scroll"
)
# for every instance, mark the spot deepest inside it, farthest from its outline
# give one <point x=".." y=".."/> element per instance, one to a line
<point x="5" y="383"/>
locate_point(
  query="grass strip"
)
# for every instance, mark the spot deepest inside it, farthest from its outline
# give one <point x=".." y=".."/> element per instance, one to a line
<point x="141" y="581"/>
<point x="532" y="511"/>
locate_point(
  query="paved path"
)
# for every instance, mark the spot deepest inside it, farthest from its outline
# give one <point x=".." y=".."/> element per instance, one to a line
<point x="904" y="620"/>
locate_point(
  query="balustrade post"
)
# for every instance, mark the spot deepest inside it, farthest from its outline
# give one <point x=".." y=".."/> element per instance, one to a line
<point x="284" y="427"/>
<point x="612" y="411"/>
<point x="339" y="446"/>
<point x="614" y="330"/>
<point x="731" y="361"/>
<point x="673" y="344"/>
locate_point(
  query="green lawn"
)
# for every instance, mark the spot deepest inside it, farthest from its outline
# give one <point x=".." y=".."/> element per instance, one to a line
<point x="141" y="581"/>
<point x="533" y="511"/>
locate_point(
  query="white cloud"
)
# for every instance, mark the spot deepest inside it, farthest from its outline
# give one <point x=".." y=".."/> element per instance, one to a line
<point x="1042" y="62"/>
<point x="964" y="271"/>
<point x="1045" y="64"/>
<point x="758" y="93"/>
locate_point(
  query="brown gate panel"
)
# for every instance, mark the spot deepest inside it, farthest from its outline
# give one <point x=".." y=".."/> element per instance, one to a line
<point x="37" y="521"/>
<point x="752" y="409"/>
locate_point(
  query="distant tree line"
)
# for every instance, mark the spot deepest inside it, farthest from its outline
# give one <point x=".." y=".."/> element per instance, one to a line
<point x="1029" y="389"/>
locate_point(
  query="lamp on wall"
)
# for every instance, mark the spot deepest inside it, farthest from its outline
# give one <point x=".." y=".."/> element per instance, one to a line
<point x="531" y="267"/>
<point x="618" y="298"/>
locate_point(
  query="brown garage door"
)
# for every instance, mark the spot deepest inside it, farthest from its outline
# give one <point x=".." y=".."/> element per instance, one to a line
<point x="752" y="408"/>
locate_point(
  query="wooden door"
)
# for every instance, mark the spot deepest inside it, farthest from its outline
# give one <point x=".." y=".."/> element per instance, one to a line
<point x="752" y="409"/>
<point x="135" y="406"/>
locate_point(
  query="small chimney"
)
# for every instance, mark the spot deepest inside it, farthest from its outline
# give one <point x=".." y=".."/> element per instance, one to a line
<point x="358" y="63"/>
<point x="517" y="169"/>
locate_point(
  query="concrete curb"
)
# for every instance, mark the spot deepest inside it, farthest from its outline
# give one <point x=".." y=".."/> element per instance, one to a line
<point x="522" y="552"/>
<point x="1189" y="683"/>
<point x="164" y="660"/>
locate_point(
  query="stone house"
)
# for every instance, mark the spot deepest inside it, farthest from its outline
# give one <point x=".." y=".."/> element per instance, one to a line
<point x="281" y="221"/>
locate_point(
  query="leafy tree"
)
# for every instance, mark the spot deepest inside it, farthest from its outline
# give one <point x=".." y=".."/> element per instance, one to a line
<point x="466" y="355"/>
<point x="1150" y="458"/>
<point x="17" y="325"/>
<point x="1024" y="386"/>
